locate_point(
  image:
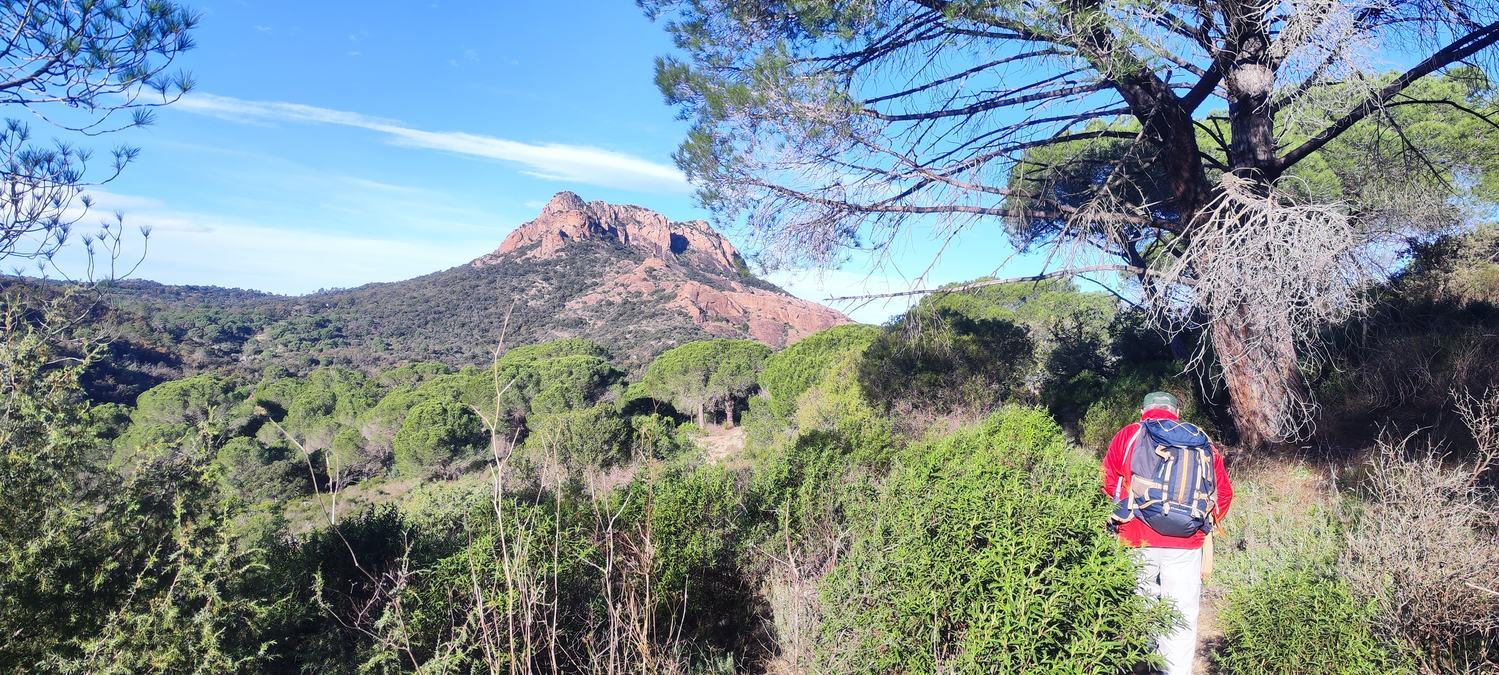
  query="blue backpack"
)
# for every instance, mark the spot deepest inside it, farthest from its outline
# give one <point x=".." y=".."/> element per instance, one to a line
<point x="1172" y="484"/>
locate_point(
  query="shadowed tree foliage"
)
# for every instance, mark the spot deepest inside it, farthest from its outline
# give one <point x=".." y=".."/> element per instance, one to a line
<point x="941" y="361"/>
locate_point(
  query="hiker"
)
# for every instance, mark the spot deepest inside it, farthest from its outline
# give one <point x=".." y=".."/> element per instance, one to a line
<point x="1157" y="472"/>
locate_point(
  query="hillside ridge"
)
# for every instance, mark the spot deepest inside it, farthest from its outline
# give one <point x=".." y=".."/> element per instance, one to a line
<point x="623" y="276"/>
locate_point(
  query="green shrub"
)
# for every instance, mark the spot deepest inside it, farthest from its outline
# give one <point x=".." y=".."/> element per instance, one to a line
<point x="1298" y="622"/>
<point x="656" y="437"/>
<point x="1119" y="404"/>
<point x="837" y="404"/>
<point x="762" y="429"/>
<point x="796" y="368"/>
<point x="983" y="551"/>
<point x="436" y="433"/>
<point x="1032" y="304"/>
<point x="536" y="544"/>
<point x="258" y="472"/>
<point x="693" y="519"/>
<point x="1273" y="530"/>
<point x="595" y="436"/>
<point x="803" y="487"/>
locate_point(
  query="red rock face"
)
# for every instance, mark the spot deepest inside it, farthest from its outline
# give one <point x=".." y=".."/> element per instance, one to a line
<point x="567" y="218"/>
<point x="728" y="307"/>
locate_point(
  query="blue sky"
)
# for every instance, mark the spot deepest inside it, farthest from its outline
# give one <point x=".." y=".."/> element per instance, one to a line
<point x="326" y="147"/>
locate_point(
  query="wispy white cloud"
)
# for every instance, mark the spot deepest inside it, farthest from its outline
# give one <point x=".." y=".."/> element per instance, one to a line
<point x="551" y="161"/>
<point x="195" y="248"/>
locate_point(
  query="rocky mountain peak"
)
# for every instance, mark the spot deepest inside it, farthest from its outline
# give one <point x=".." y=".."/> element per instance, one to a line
<point x="566" y="218"/>
<point x="563" y="202"/>
<point x="687" y="271"/>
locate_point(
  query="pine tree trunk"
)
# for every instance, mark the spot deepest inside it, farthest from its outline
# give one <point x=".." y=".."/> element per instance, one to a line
<point x="728" y="413"/>
<point x="1264" y="381"/>
<point x="702" y="416"/>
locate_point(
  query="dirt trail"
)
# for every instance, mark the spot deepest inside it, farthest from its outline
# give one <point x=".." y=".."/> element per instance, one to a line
<point x="721" y="445"/>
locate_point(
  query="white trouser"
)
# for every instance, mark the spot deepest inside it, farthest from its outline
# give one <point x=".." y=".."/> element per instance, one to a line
<point x="1175" y="574"/>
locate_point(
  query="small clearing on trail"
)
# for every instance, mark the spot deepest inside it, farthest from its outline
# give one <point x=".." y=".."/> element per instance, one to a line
<point x="723" y="445"/>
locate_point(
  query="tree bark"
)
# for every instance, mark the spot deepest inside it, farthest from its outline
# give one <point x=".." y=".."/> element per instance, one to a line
<point x="702" y="416"/>
<point x="728" y="413"/>
<point x="1263" y="377"/>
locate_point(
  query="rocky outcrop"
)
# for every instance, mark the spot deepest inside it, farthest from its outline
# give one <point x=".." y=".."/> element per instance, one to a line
<point x="567" y="218"/>
<point x="726" y="309"/>
<point x="686" y="266"/>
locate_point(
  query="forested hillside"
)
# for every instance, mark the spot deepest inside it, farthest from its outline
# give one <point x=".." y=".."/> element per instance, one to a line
<point x="577" y="270"/>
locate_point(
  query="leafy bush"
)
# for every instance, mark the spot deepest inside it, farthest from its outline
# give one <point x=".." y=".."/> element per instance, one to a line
<point x="964" y="562"/>
<point x="941" y="361"/>
<point x="1296" y="622"/>
<point x="595" y="436"/>
<point x="103" y="572"/>
<point x="322" y="401"/>
<point x="837" y="405"/>
<point x="1070" y="328"/>
<point x="796" y="368"/>
<point x="656" y="437"/>
<point x="436" y="433"/>
<point x="762" y="429"/>
<point x="487" y="590"/>
<point x="545" y="378"/>
<point x="257" y="472"/>
<point x="1118" y="404"/>
<point x="799" y="493"/>
<point x="693" y="521"/>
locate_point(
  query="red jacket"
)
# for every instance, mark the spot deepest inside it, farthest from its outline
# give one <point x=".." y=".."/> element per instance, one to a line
<point x="1136" y="532"/>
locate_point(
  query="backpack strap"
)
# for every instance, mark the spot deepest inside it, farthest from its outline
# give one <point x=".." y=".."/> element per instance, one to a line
<point x="1125" y="474"/>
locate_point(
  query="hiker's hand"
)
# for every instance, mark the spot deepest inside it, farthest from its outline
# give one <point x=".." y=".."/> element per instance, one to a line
<point x="1113" y="523"/>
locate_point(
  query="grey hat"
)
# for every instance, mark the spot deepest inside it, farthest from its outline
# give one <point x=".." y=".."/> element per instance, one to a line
<point x="1160" y="399"/>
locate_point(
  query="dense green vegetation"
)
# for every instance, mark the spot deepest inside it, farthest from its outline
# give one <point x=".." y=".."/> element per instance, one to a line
<point x="879" y="506"/>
